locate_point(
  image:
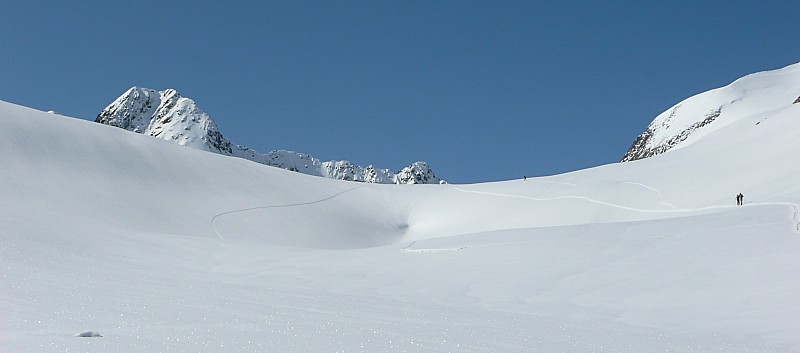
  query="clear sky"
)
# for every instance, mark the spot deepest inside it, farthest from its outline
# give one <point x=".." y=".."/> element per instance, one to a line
<point x="483" y="91"/>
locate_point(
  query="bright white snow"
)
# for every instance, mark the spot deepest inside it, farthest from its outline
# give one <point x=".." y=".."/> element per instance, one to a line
<point x="165" y="248"/>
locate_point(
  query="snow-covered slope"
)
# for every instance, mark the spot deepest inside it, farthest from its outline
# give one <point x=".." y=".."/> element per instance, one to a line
<point x="169" y="116"/>
<point x="757" y="95"/>
<point x="155" y="250"/>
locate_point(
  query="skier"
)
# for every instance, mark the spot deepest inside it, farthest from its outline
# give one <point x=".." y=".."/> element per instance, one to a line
<point x="740" y="199"/>
<point x="524" y="177"/>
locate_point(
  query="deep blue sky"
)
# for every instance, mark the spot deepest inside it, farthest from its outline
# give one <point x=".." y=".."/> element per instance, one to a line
<point x="483" y="91"/>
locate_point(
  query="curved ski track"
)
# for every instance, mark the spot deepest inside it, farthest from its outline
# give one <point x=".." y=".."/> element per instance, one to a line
<point x="795" y="207"/>
<point x="214" y="219"/>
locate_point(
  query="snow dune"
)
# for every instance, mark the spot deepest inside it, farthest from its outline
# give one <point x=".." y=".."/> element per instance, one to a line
<point x="158" y="247"/>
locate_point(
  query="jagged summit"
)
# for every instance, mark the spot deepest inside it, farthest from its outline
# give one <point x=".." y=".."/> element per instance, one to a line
<point x="751" y="96"/>
<point x="169" y="116"/>
<point x="165" y="115"/>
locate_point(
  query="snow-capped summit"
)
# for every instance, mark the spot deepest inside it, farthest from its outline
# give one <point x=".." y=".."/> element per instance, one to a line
<point x="169" y="116"/>
<point x="165" y="115"/>
<point x="415" y="173"/>
<point x="751" y="97"/>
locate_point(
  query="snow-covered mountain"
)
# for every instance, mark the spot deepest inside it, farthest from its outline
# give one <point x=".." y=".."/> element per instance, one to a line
<point x="156" y="250"/>
<point x="169" y="116"/>
<point x="757" y="95"/>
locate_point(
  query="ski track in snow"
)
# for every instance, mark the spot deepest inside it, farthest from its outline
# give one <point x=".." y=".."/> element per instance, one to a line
<point x="549" y="182"/>
<point x="217" y="216"/>
<point x="588" y="199"/>
<point x="408" y="249"/>
<point x="795" y="207"/>
<point x="660" y="196"/>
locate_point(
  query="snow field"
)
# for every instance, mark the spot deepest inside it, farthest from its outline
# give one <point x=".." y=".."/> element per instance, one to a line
<point x="163" y="248"/>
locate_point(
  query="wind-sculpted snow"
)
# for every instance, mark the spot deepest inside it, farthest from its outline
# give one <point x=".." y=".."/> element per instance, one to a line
<point x="159" y="250"/>
<point x="169" y="116"/>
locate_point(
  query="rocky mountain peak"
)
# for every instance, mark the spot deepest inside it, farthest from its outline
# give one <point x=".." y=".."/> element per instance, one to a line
<point x="417" y="173"/>
<point x="169" y="116"/>
<point x="165" y="115"/>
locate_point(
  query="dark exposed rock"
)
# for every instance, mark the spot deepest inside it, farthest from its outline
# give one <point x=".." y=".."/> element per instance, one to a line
<point x="643" y="148"/>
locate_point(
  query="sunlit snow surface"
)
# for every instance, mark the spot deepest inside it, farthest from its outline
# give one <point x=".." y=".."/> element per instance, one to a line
<point x="155" y="247"/>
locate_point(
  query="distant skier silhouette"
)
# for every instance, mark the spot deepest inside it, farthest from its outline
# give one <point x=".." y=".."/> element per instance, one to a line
<point x="740" y="199"/>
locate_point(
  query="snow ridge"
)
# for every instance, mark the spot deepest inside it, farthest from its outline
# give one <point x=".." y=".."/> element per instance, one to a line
<point x="703" y="114"/>
<point x="644" y="145"/>
<point x="169" y="116"/>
